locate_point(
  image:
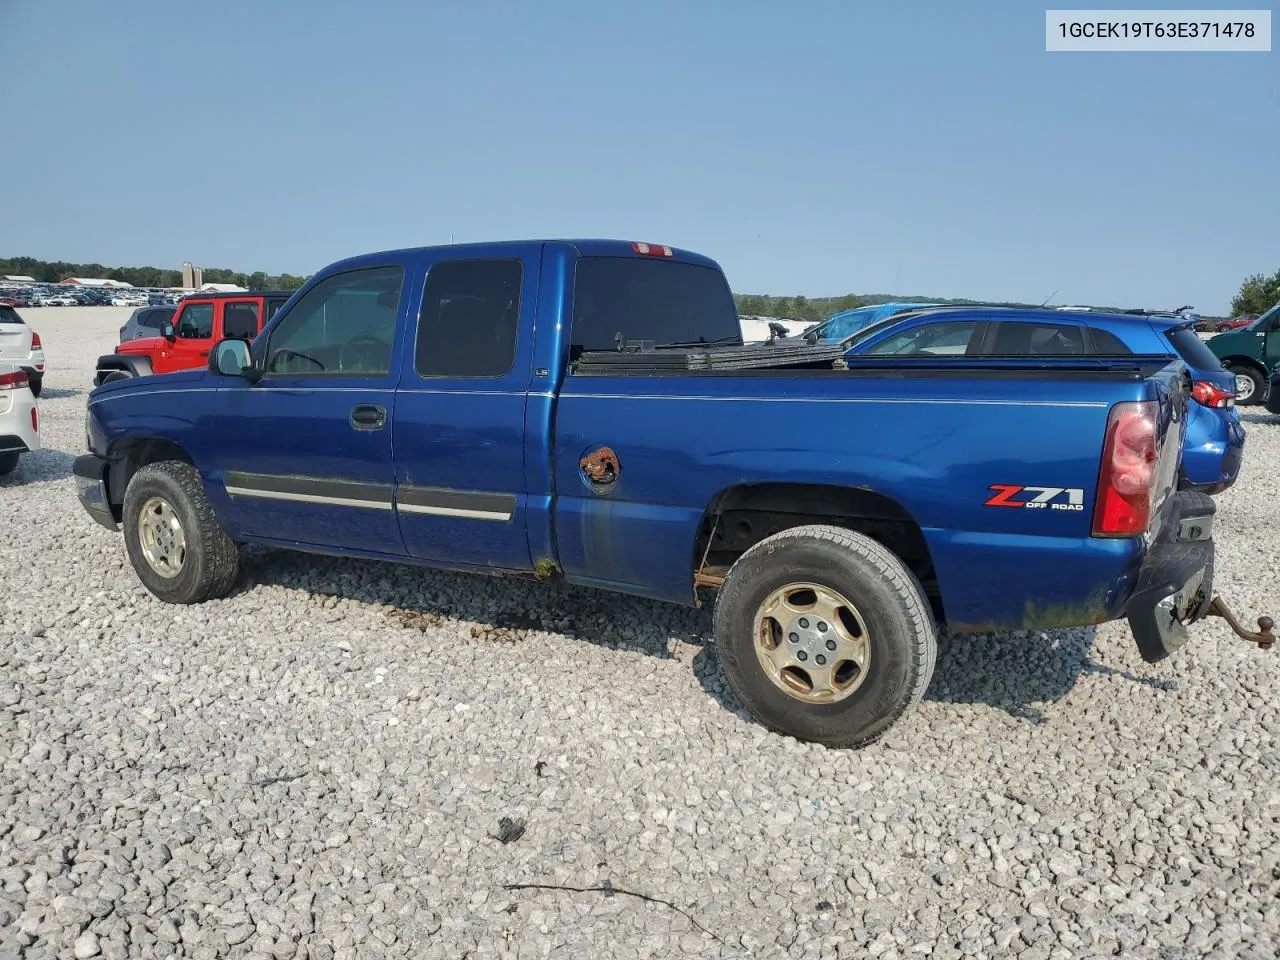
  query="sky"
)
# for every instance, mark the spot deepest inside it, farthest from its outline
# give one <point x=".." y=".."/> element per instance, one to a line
<point x="816" y="147"/>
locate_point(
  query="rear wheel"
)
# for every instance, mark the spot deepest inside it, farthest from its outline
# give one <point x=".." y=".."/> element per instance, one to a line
<point x="36" y="382"/>
<point x="1251" y="386"/>
<point x="174" y="541"/>
<point x="8" y="463"/>
<point x="825" y="635"/>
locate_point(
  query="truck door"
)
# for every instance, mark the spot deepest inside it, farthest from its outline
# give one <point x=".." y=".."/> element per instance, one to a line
<point x="193" y="337"/>
<point x="304" y="454"/>
<point x="459" y="424"/>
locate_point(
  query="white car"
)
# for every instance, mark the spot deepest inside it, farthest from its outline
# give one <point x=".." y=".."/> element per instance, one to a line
<point x="19" y="418"/>
<point x="20" y="347"/>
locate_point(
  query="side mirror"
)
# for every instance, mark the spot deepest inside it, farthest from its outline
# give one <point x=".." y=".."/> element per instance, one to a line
<point x="168" y="333"/>
<point x="232" y="358"/>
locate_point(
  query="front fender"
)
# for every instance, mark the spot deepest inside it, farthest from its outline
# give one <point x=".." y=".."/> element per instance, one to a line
<point x="135" y="365"/>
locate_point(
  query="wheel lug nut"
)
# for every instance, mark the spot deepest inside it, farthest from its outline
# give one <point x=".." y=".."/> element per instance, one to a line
<point x="794" y="638"/>
<point x="804" y="623"/>
<point x="802" y="656"/>
<point x="831" y="645"/>
<point x="822" y="626"/>
<point x="821" y="660"/>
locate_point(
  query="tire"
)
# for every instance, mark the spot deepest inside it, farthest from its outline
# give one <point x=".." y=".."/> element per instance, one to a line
<point x="206" y="564"/>
<point x="899" y="641"/>
<point x="36" y="382"/>
<point x="8" y="463"/>
<point x="115" y="375"/>
<point x="1241" y="371"/>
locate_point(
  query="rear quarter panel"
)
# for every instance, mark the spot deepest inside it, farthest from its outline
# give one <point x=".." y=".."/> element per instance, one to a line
<point x="935" y="446"/>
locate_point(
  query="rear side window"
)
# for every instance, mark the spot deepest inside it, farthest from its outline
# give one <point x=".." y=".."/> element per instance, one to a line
<point x="1037" y="340"/>
<point x="274" y="305"/>
<point x="470" y="314"/>
<point x="155" y="318"/>
<point x="1193" y="350"/>
<point x="1106" y="343"/>
<point x="643" y="298"/>
<point x="9" y="315"/>
<point x="240" y="320"/>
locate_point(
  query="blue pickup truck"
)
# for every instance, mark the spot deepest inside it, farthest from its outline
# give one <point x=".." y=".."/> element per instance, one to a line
<point x="587" y="411"/>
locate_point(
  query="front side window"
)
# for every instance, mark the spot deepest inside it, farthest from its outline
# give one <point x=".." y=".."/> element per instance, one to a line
<point x="343" y="326"/>
<point x="927" y="340"/>
<point x="470" y="316"/>
<point x="196" y="322"/>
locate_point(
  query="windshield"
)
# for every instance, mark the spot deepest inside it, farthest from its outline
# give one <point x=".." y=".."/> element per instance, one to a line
<point x="640" y="298"/>
<point x="1264" y="321"/>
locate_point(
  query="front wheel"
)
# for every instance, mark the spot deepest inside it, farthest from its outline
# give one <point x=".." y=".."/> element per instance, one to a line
<point x="1251" y="387"/>
<point x="825" y="635"/>
<point x="174" y="541"/>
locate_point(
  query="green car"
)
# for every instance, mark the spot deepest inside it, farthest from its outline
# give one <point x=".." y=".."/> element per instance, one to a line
<point x="1250" y="353"/>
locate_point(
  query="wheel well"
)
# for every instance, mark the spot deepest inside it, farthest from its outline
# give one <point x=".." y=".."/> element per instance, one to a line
<point x="131" y="455"/>
<point x="1245" y="362"/>
<point x="740" y="517"/>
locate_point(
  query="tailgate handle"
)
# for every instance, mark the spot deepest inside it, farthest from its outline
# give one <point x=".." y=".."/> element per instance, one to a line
<point x="368" y="416"/>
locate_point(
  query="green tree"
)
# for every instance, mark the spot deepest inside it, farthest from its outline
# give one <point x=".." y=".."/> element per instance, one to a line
<point x="1258" y="294"/>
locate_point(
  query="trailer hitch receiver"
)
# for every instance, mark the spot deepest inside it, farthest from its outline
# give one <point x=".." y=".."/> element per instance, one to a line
<point x="1264" y="637"/>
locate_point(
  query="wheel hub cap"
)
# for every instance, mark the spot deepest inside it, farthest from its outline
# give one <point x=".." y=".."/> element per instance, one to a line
<point x="1244" y="386"/>
<point x="160" y="533"/>
<point x="812" y="642"/>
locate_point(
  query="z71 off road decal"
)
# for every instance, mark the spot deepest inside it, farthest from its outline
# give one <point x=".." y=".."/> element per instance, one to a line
<point x="1036" y="498"/>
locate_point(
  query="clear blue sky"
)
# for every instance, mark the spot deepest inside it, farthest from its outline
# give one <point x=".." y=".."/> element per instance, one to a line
<point x="811" y="147"/>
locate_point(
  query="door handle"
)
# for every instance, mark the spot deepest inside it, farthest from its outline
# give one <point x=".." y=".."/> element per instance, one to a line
<point x="368" y="416"/>
<point x="204" y="353"/>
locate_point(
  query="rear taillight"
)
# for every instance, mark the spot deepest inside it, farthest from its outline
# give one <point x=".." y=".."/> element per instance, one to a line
<point x="35" y="341"/>
<point x="1129" y="471"/>
<point x="12" y="381"/>
<point x="1212" y="395"/>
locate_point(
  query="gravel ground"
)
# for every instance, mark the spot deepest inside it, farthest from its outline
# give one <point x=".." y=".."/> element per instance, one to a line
<point x="320" y="766"/>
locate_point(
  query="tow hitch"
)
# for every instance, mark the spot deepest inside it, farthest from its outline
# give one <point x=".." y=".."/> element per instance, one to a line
<point x="1265" y="637"/>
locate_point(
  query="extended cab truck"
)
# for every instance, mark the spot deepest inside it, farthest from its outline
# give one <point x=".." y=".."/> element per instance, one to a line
<point x="586" y="411"/>
<point x="1250" y="353"/>
<point x="185" y="340"/>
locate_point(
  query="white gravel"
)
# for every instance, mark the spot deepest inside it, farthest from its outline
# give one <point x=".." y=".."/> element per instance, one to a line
<point x="317" y="766"/>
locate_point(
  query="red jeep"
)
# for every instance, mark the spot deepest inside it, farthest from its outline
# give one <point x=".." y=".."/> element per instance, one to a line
<point x="200" y="321"/>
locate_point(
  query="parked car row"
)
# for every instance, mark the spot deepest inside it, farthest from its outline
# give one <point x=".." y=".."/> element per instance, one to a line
<point x="587" y="411"/>
<point x="63" y="295"/>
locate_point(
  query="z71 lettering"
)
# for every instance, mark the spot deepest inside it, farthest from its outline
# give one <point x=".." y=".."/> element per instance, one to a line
<point x="1036" y="498"/>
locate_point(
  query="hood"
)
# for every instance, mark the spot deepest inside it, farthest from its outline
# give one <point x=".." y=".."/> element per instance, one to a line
<point x="141" y="345"/>
<point x="132" y="385"/>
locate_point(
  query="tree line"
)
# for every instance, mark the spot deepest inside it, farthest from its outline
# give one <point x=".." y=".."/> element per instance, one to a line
<point x="46" y="271"/>
<point x="1257" y="293"/>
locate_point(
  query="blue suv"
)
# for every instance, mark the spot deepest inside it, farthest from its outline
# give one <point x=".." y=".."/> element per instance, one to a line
<point x="1214" y="443"/>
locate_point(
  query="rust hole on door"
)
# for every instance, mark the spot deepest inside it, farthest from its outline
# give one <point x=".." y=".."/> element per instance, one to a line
<point x="601" y="465"/>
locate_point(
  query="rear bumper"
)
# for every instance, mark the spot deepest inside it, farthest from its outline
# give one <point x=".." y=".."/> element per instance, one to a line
<point x="1175" y="584"/>
<point x="1213" y="451"/>
<point x="90" y="472"/>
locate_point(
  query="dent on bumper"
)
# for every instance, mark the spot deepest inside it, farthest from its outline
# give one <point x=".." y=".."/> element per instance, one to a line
<point x="89" y="472"/>
<point x="1175" y="587"/>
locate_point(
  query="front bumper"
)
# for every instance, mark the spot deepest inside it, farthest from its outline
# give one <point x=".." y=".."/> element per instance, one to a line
<point x="1175" y="585"/>
<point x="90" y="472"/>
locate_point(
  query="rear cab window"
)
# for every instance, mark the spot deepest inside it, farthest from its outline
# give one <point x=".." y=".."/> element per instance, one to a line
<point x="649" y="299"/>
<point x="9" y="315"/>
<point x="1192" y="349"/>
